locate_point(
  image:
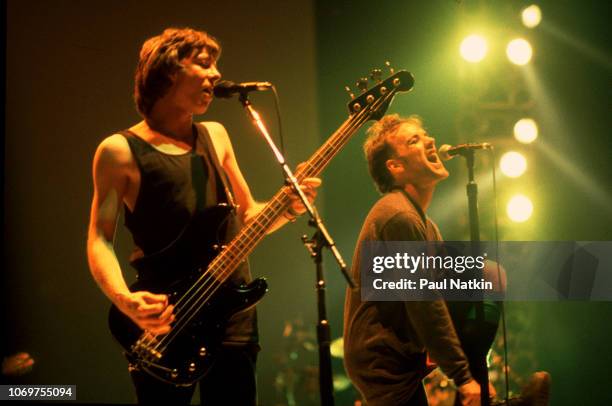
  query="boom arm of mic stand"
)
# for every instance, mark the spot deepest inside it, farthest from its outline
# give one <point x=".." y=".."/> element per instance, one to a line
<point x="315" y="219"/>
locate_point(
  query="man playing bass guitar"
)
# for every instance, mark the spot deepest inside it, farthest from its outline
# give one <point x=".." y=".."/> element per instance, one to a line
<point x="162" y="170"/>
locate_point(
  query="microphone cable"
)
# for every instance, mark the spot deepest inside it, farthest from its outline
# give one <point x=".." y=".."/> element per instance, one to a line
<point x="279" y="122"/>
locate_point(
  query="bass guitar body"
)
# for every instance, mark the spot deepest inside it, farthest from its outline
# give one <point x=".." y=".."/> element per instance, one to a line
<point x="203" y="305"/>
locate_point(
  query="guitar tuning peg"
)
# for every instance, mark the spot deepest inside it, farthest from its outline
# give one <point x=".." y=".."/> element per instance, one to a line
<point x="388" y="65"/>
<point x="376" y="75"/>
<point x="362" y="84"/>
<point x="350" y="92"/>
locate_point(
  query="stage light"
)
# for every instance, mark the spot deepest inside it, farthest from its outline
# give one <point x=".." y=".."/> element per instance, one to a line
<point x="531" y="16"/>
<point x="519" y="208"/>
<point x="513" y="164"/>
<point x="473" y="48"/>
<point x="525" y="130"/>
<point x="519" y="51"/>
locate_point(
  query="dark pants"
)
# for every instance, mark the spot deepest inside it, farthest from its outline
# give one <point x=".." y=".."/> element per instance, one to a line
<point x="418" y="399"/>
<point x="388" y="380"/>
<point x="231" y="381"/>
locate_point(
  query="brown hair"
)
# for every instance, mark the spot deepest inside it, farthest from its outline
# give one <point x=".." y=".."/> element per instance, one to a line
<point x="378" y="150"/>
<point x="160" y="57"/>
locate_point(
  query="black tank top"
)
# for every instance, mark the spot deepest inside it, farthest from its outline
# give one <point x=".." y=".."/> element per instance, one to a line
<point x="172" y="189"/>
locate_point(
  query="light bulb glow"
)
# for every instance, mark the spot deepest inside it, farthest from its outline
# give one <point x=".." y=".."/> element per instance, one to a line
<point x="473" y="48"/>
<point x="519" y="208"/>
<point x="531" y="16"/>
<point x="519" y="51"/>
<point x="513" y="164"/>
<point x="525" y="130"/>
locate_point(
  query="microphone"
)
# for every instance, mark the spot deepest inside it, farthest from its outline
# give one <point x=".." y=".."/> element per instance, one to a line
<point x="226" y="89"/>
<point x="446" y="152"/>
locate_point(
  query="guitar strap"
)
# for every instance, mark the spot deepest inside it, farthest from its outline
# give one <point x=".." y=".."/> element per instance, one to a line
<point x="204" y="136"/>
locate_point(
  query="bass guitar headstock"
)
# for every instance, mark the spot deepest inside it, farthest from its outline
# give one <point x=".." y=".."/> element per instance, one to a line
<point x="373" y="102"/>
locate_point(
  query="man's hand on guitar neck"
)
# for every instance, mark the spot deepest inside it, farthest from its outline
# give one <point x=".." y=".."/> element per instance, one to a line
<point x="309" y="187"/>
<point x="296" y="207"/>
<point x="149" y="311"/>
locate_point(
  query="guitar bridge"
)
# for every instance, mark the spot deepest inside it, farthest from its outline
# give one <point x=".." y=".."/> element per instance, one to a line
<point x="145" y="349"/>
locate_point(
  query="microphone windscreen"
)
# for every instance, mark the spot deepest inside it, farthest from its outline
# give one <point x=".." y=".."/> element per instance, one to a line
<point x="224" y="89"/>
<point x="443" y="152"/>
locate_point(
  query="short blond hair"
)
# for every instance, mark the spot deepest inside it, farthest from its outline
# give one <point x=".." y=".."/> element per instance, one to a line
<point x="378" y="149"/>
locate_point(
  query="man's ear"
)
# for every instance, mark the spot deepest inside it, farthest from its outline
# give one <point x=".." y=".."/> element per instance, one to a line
<point x="394" y="165"/>
<point x="175" y="71"/>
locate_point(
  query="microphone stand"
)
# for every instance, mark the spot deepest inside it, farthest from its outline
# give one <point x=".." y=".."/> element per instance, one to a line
<point x="326" y="381"/>
<point x="478" y="366"/>
<point x="472" y="194"/>
<point x="321" y="239"/>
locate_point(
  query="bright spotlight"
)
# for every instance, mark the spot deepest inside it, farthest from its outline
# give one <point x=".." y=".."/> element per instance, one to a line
<point x="525" y="130"/>
<point x="513" y="164"/>
<point x="519" y="208"/>
<point x="531" y="16"/>
<point x="519" y="51"/>
<point x="473" y="48"/>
